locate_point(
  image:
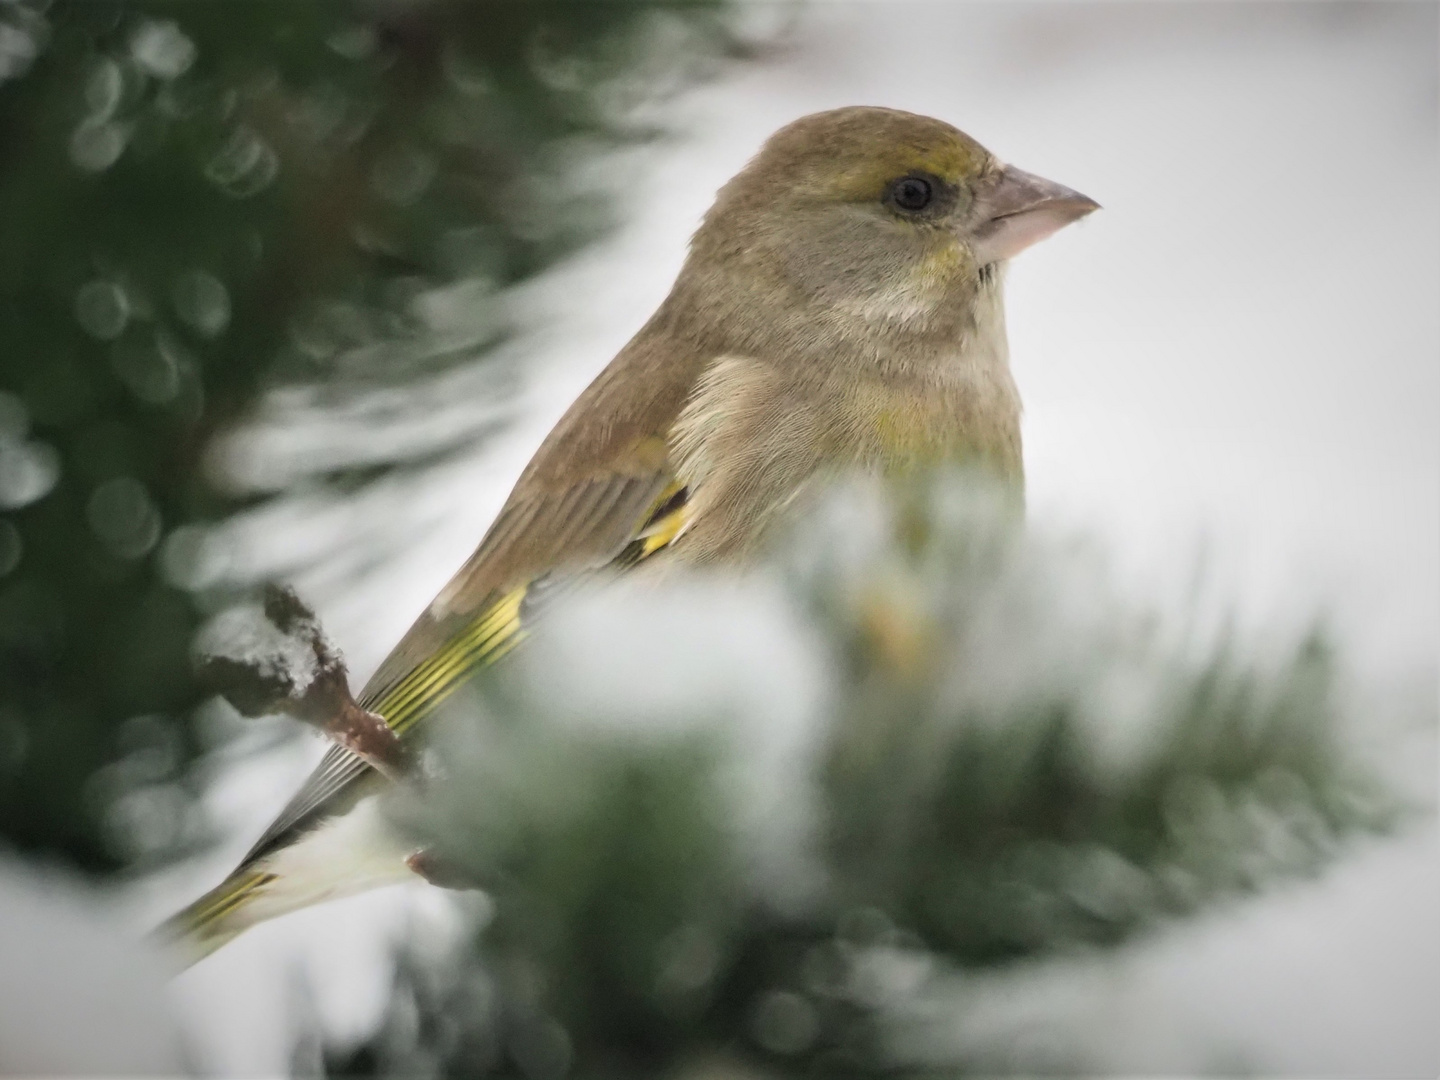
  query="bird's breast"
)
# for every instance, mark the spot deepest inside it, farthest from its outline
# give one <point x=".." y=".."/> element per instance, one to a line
<point x="973" y="418"/>
<point x="753" y="436"/>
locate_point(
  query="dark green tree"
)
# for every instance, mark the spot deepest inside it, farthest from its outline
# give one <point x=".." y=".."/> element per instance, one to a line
<point x="201" y="203"/>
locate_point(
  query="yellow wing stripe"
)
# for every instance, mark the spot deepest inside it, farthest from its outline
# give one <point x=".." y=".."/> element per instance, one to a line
<point x="494" y="633"/>
<point x="414" y="688"/>
<point x="420" y="692"/>
<point x="663" y="532"/>
<point x="450" y="667"/>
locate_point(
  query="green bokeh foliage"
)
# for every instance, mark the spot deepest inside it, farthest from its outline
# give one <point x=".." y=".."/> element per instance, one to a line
<point x="200" y="202"/>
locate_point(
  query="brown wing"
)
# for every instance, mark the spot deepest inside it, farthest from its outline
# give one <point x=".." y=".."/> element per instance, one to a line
<point x="579" y="527"/>
<point x="599" y="489"/>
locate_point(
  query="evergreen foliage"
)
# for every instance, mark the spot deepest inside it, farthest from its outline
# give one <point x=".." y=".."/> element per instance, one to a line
<point x="1009" y="761"/>
<point x="204" y="205"/>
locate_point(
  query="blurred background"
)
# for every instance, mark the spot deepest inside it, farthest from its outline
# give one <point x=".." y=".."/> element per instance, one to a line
<point x="290" y="291"/>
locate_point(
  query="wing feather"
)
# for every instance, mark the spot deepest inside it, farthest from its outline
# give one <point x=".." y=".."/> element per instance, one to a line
<point x="586" y="499"/>
<point x="582" y="528"/>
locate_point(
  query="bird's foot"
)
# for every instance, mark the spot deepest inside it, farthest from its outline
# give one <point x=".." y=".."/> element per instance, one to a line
<point x="438" y="870"/>
<point x="366" y="734"/>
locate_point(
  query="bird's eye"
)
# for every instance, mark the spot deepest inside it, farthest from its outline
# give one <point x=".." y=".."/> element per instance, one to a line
<point x="911" y="193"/>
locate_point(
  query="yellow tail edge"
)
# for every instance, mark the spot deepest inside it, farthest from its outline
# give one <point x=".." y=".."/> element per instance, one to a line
<point x="211" y="921"/>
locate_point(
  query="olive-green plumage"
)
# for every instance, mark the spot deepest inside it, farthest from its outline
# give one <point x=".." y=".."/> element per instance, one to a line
<point x="840" y="307"/>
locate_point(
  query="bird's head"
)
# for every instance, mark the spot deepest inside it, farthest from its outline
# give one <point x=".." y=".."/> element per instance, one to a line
<point x="882" y="214"/>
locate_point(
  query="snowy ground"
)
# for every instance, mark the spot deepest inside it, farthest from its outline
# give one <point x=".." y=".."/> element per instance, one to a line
<point x="1236" y="362"/>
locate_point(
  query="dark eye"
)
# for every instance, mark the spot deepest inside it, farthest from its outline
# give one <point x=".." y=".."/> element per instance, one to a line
<point x="911" y="193"/>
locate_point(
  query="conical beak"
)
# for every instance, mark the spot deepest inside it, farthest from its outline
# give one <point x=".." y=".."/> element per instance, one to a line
<point x="1016" y="209"/>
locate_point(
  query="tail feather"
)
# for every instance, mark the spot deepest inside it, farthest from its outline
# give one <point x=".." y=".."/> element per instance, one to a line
<point x="346" y="855"/>
<point x="215" y="918"/>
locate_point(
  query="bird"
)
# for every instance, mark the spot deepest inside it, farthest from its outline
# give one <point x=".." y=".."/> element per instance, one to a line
<point x="840" y="308"/>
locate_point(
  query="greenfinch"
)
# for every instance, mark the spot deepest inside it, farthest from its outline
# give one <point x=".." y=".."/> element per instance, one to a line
<point x="841" y="308"/>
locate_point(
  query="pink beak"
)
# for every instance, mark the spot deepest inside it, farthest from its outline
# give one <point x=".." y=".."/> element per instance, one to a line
<point x="1016" y="209"/>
